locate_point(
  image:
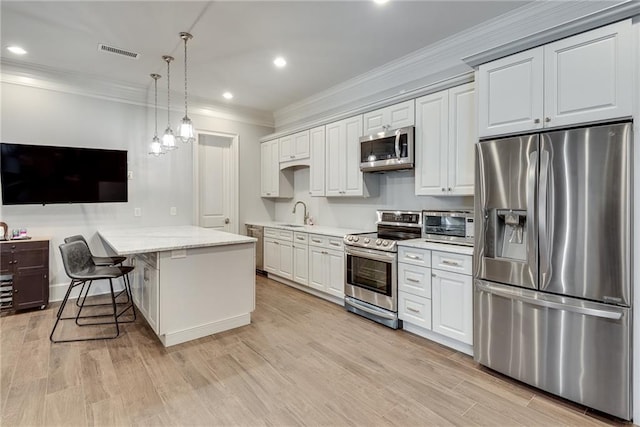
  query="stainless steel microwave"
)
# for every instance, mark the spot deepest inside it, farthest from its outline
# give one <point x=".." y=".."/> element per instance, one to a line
<point x="387" y="150"/>
<point x="451" y="226"/>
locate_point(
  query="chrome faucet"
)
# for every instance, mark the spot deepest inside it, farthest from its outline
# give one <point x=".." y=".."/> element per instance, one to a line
<point x="306" y="215"/>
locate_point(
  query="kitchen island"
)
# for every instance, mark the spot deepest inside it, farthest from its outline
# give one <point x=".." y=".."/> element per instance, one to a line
<point x="189" y="282"/>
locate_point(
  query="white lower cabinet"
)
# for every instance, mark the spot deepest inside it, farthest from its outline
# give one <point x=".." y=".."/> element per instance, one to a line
<point x="301" y="263"/>
<point x="326" y="264"/>
<point x="146" y="288"/>
<point x="435" y="295"/>
<point x="452" y="300"/>
<point x="312" y="260"/>
<point x="278" y="252"/>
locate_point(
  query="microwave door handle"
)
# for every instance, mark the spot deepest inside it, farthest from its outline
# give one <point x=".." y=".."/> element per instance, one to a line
<point x="398" y="144"/>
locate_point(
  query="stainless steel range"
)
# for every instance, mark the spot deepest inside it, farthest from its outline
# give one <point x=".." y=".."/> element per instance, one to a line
<point x="371" y="267"/>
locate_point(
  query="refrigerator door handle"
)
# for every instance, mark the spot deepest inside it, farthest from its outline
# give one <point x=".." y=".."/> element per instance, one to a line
<point x="532" y="250"/>
<point x="547" y="302"/>
<point x="543" y="236"/>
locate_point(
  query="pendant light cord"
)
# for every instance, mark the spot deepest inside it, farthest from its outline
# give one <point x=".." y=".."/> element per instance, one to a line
<point x="155" y="84"/>
<point x="185" y="76"/>
<point x="168" y="93"/>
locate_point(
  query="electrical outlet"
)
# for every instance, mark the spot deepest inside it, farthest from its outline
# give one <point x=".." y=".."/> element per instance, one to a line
<point x="137" y="212"/>
<point x="130" y="175"/>
<point x="173" y="211"/>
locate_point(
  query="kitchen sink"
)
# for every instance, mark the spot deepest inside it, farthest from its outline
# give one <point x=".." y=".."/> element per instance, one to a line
<point x="292" y="225"/>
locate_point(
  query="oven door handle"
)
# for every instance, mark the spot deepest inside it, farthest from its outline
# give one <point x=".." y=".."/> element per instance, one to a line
<point x="381" y="313"/>
<point x="388" y="257"/>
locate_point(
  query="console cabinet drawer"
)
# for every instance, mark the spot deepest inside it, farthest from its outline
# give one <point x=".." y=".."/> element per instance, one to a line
<point x="449" y="261"/>
<point x="420" y="257"/>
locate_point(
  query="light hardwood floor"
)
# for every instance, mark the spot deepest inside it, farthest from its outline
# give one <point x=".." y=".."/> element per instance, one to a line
<point x="302" y="361"/>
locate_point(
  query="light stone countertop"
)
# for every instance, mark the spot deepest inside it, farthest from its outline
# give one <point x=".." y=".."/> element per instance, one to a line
<point x="134" y="240"/>
<point x="311" y="229"/>
<point x="443" y="247"/>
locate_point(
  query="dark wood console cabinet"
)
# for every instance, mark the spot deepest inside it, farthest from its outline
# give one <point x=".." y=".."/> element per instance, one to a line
<point x="28" y="262"/>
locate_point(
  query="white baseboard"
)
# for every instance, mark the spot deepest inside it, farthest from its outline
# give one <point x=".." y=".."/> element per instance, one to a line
<point x="179" y="337"/>
<point x="440" y="339"/>
<point x="58" y="290"/>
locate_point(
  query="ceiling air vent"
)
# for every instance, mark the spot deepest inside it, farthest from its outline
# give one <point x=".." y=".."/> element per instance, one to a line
<point x="117" y="51"/>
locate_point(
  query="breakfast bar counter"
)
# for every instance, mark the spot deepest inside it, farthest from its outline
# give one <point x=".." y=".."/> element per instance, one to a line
<point x="189" y="282"/>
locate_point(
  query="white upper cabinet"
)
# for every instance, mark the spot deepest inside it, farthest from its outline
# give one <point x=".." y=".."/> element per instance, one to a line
<point x="510" y="94"/>
<point x="317" y="161"/>
<point x="445" y="137"/>
<point x="294" y="147"/>
<point x="588" y="76"/>
<point x="391" y="117"/>
<point x="463" y="135"/>
<point x="579" y="79"/>
<point x="342" y="173"/>
<point x="274" y="182"/>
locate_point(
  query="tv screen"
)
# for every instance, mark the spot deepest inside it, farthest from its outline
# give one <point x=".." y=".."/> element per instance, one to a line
<point x="39" y="174"/>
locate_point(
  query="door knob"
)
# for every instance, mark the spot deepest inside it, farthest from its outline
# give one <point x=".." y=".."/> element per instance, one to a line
<point x="226" y="220"/>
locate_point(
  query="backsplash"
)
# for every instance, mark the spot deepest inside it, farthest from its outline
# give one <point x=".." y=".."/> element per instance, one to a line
<point x="396" y="192"/>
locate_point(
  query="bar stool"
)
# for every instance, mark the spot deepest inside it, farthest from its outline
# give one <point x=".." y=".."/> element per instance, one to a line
<point x="110" y="261"/>
<point x="79" y="266"/>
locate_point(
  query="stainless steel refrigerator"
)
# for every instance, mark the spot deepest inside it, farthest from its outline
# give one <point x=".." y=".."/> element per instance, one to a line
<point x="552" y="271"/>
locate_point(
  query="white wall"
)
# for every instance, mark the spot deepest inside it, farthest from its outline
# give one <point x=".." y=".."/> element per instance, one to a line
<point x="396" y="191"/>
<point x="38" y="116"/>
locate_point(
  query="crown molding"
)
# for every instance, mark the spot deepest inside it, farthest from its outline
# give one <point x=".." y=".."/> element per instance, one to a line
<point x="417" y="71"/>
<point x="70" y="82"/>
<point x="612" y="14"/>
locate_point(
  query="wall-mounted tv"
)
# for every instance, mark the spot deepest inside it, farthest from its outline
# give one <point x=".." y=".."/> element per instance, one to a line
<point x="40" y="174"/>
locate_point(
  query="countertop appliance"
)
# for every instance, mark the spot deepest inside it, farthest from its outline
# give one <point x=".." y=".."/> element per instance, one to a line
<point x="450" y="226"/>
<point x="387" y="150"/>
<point x="552" y="275"/>
<point x="257" y="231"/>
<point x="371" y="267"/>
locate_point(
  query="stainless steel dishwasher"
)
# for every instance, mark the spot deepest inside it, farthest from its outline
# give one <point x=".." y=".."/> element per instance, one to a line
<point x="257" y="231"/>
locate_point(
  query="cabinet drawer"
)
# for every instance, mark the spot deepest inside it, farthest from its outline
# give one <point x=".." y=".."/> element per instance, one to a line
<point x="277" y="233"/>
<point x="414" y="280"/>
<point x="300" y="237"/>
<point x="414" y="309"/>
<point x="421" y="257"/>
<point x="448" y="261"/>
<point x="329" y="242"/>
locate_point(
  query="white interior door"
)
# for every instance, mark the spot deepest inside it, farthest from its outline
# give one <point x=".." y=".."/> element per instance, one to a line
<point x="216" y="182"/>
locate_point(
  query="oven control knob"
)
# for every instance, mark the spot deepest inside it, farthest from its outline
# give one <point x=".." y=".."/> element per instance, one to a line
<point x="366" y="240"/>
<point x="350" y="238"/>
<point x="385" y="243"/>
<point x="378" y="242"/>
<point x="355" y="239"/>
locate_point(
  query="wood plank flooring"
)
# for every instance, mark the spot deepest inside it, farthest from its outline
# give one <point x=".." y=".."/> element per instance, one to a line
<point x="302" y="361"/>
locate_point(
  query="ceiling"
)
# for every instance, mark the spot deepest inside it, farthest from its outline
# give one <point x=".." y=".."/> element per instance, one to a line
<point x="235" y="42"/>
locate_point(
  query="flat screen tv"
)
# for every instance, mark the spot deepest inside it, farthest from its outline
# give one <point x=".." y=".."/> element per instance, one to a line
<point x="40" y="174"/>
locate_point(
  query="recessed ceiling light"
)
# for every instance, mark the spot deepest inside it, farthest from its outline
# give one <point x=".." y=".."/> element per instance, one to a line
<point x="17" y="50"/>
<point x="227" y="95"/>
<point x="279" y="62"/>
<point x="380" y="1"/>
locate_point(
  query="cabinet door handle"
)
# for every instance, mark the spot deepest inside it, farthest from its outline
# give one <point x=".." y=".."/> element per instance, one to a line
<point x="449" y="188"/>
<point x="300" y="238"/>
<point x="433" y="275"/>
<point x="292" y="157"/>
<point x="536" y="121"/>
<point x="324" y="252"/>
<point x="409" y="279"/>
<point x="414" y="257"/>
<point x="145" y="275"/>
<point x="413" y="310"/>
<point x="334" y="244"/>
<point x="276" y="243"/>
<point x="442" y="188"/>
<point x="15" y="291"/>
<point x="316" y="241"/>
<point x="452" y="263"/>
<point x="547" y="119"/>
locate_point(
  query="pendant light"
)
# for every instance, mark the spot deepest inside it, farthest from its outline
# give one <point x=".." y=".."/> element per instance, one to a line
<point x="156" y="147"/>
<point x="168" y="139"/>
<point x="185" y="129"/>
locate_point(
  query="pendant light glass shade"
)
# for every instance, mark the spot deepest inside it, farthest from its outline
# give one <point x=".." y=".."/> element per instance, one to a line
<point x="155" y="149"/>
<point x="185" y="129"/>
<point x="168" y="139"/>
